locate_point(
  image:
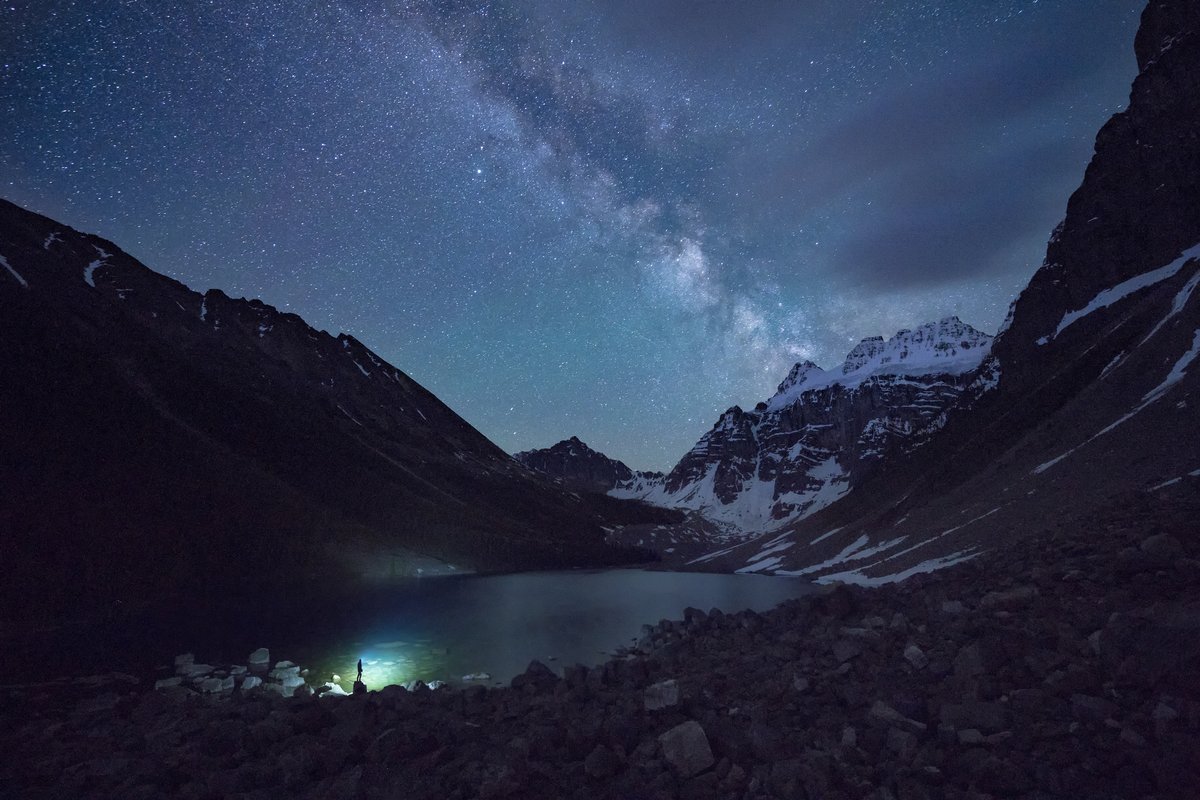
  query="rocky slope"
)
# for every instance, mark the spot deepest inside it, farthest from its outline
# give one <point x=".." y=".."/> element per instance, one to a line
<point x="1094" y="377"/>
<point x="163" y="439"/>
<point x="1060" y="669"/>
<point x="823" y="431"/>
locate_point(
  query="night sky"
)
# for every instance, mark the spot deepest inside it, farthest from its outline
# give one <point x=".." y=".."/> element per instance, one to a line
<point x="603" y="219"/>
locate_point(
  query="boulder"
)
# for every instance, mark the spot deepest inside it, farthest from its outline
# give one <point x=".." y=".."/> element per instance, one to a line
<point x="251" y="682"/>
<point x="601" y="763"/>
<point x="685" y="748"/>
<point x="1008" y="597"/>
<point x="1162" y="547"/>
<point x="916" y="656"/>
<point x="259" y="660"/>
<point x="884" y="715"/>
<point x="663" y="694"/>
<point x="193" y="671"/>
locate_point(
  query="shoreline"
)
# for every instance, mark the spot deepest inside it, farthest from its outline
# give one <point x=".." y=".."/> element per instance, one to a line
<point x="1046" y="671"/>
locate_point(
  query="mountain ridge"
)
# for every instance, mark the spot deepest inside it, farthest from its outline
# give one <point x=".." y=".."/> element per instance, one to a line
<point x="170" y="436"/>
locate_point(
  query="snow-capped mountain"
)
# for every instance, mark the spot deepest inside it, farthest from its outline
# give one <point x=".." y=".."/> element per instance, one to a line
<point x="157" y="438"/>
<point x="823" y="430"/>
<point x="1084" y="413"/>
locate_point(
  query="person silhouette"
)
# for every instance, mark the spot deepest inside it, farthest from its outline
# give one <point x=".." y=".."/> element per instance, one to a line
<point x="359" y="679"/>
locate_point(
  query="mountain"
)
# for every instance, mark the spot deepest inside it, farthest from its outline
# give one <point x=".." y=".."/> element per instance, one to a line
<point x="581" y="468"/>
<point x="1087" y="413"/>
<point x="823" y="431"/>
<point x="161" y="439"/>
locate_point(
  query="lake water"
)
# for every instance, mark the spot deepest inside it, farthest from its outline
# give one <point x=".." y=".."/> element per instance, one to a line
<point x="438" y="628"/>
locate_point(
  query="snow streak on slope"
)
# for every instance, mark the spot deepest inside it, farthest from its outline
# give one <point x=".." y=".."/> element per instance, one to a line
<point x="1126" y="288"/>
<point x="1173" y="377"/>
<point x="16" y="275"/>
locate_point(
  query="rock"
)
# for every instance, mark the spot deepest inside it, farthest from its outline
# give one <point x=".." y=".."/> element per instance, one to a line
<point x="1009" y="597"/>
<point x="284" y="670"/>
<point x="334" y="689"/>
<point x="435" y="685"/>
<point x="183" y="660"/>
<point x="846" y="649"/>
<point x="849" y="736"/>
<point x="1094" y="709"/>
<point x="237" y="670"/>
<point x="168" y="683"/>
<point x="537" y="675"/>
<point x="1162" y="547"/>
<point x="601" y="763"/>
<point x="991" y="717"/>
<point x="213" y="685"/>
<point x="970" y="736"/>
<point x="800" y="683"/>
<point x="883" y="714"/>
<point x="685" y="748"/>
<point x="916" y="656"/>
<point x="954" y="607"/>
<point x="259" y="660"/>
<point x="901" y="742"/>
<point x="251" y="682"/>
<point x="969" y="662"/>
<point x="192" y="671"/>
<point x="663" y="694"/>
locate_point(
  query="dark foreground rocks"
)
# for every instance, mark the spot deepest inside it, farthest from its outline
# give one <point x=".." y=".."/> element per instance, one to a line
<point x="1068" y="671"/>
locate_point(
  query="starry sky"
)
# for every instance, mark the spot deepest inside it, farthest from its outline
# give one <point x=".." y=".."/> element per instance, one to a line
<point x="605" y="219"/>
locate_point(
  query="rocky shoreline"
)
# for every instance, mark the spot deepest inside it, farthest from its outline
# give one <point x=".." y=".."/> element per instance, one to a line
<point x="1067" y="669"/>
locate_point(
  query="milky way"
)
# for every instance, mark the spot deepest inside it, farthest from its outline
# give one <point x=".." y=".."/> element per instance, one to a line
<point x="610" y="220"/>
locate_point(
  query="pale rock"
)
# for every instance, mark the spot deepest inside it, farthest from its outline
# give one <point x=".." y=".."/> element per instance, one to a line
<point x="259" y="660"/>
<point x="685" y="747"/>
<point x="663" y="694"/>
<point x="916" y="656"/>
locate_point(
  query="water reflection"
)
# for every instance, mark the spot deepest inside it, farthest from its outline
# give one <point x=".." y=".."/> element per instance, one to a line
<point x="447" y="628"/>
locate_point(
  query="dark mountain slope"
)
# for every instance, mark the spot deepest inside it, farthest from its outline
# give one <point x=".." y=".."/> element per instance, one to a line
<point x="159" y="438"/>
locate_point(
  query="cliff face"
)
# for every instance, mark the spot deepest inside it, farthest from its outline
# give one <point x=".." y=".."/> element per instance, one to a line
<point x="1136" y="211"/>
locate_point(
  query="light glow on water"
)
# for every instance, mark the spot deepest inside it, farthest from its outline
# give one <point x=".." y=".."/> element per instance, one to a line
<point x="454" y="628"/>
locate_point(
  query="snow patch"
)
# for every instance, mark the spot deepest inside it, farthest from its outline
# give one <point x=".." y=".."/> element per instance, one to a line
<point x="51" y="239"/>
<point x="1165" y="484"/>
<point x="361" y="368"/>
<point x="855" y="551"/>
<point x="826" y="535"/>
<point x="1181" y="299"/>
<point x="16" y="275"/>
<point x="1125" y="288"/>
<point x="858" y="578"/>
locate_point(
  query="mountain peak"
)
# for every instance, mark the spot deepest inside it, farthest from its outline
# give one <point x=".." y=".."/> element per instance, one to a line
<point x="800" y="374"/>
<point x="948" y="346"/>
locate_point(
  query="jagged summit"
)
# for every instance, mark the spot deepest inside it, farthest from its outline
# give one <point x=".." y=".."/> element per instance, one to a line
<point x="580" y="467"/>
<point x="948" y="346"/>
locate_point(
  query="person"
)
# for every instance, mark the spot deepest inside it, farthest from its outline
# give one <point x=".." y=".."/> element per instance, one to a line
<point x="359" y="679"/>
